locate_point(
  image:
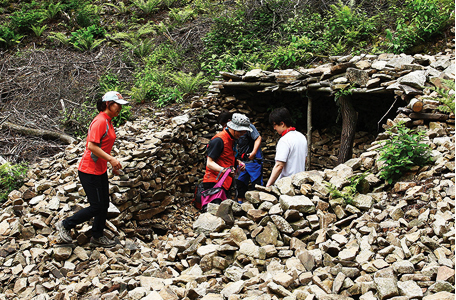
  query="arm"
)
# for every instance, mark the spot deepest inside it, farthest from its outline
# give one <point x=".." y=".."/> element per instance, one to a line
<point x="103" y="155"/>
<point x="276" y="171"/>
<point x="212" y="165"/>
<point x="256" y="146"/>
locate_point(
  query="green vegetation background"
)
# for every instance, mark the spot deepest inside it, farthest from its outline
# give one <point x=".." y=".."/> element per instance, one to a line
<point x="220" y="36"/>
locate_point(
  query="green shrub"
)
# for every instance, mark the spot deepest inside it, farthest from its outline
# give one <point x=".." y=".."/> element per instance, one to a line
<point x="38" y="30"/>
<point x="188" y="83"/>
<point x="22" y="20"/>
<point x="402" y="151"/>
<point x="11" y="177"/>
<point x="59" y="37"/>
<point x="446" y="98"/>
<point x="85" y="38"/>
<point x="148" y="6"/>
<point x="53" y="10"/>
<point x="180" y="16"/>
<point x="121" y="8"/>
<point x="418" y="21"/>
<point x="8" y="37"/>
<point x="88" y="16"/>
<point x="109" y="82"/>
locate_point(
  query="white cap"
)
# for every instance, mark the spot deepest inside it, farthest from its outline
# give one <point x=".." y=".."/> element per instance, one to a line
<point x="114" y="96"/>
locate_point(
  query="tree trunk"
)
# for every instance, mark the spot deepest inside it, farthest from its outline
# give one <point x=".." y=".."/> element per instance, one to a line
<point x="45" y="134"/>
<point x="309" y="133"/>
<point x="349" y="120"/>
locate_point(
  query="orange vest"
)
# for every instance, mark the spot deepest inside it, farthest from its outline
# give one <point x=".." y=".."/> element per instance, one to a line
<point x="225" y="160"/>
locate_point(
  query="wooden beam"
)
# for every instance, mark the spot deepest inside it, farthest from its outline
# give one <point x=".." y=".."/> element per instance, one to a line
<point x="309" y="132"/>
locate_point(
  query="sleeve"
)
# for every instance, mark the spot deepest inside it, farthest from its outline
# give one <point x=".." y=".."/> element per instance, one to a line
<point x="254" y="134"/>
<point x="282" y="151"/>
<point x="96" y="131"/>
<point x="215" y="148"/>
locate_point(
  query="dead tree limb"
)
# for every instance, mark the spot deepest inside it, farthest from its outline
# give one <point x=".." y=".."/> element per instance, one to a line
<point x="45" y="134"/>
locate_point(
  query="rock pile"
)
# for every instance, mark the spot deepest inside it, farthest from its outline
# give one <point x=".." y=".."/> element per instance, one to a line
<point x="292" y="241"/>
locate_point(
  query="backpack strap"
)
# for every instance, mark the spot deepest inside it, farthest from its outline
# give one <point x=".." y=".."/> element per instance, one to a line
<point x="222" y="179"/>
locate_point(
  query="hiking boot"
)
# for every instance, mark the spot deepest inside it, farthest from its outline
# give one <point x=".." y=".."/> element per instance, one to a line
<point x="102" y="242"/>
<point x="64" y="234"/>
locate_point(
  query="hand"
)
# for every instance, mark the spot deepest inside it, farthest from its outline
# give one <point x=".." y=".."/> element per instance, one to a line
<point x="116" y="166"/>
<point x="252" y="156"/>
<point x="242" y="166"/>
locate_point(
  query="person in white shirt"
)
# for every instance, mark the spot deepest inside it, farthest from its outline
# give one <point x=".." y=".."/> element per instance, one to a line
<point x="291" y="149"/>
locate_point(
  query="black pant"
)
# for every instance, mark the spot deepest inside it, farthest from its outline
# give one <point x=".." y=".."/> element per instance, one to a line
<point x="96" y="188"/>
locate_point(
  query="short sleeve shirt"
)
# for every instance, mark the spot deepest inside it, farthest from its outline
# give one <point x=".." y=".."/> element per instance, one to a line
<point x="292" y="150"/>
<point x="101" y="132"/>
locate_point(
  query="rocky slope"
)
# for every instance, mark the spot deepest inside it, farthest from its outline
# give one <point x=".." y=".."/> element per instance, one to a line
<point x="292" y="241"/>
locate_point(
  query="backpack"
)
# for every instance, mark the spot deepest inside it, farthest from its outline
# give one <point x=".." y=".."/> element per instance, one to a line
<point x="216" y="193"/>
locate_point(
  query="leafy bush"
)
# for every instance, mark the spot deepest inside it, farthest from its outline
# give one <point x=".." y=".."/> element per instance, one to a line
<point x="188" y="83"/>
<point x="180" y="16"/>
<point x="11" y="177"/>
<point x="38" y="30"/>
<point x="446" y="93"/>
<point x="59" y="37"/>
<point x="403" y="151"/>
<point x="418" y="21"/>
<point x="85" y="38"/>
<point x="8" y="37"/>
<point x="23" y="20"/>
<point x="147" y="6"/>
<point x="88" y="16"/>
<point x="109" y="82"/>
<point x="123" y="116"/>
<point x="53" y="10"/>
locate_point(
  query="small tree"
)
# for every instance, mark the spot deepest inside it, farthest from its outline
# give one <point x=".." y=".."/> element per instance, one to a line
<point x="402" y="151"/>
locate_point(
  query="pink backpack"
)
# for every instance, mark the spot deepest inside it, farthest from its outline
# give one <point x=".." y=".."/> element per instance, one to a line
<point x="217" y="192"/>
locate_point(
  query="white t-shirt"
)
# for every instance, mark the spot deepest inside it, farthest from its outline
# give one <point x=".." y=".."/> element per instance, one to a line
<point x="292" y="150"/>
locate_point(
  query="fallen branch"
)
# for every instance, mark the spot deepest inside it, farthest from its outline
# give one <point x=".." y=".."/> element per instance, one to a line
<point x="45" y="134"/>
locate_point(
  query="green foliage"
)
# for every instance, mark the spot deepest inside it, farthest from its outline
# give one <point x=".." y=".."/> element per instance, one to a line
<point x="124" y="116"/>
<point x="38" y="30"/>
<point x="8" y="37"/>
<point x="349" y="192"/>
<point x="76" y="121"/>
<point x="59" y="37"/>
<point x="153" y="85"/>
<point x="134" y="41"/>
<point x="188" y="83"/>
<point x="11" y="177"/>
<point x="85" y="38"/>
<point x="349" y="25"/>
<point x="180" y="16"/>
<point x="88" y="16"/>
<point x="418" y="21"/>
<point x="109" y="82"/>
<point x="446" y="98"/>
<point x="148" y="6"/>
<point x="23" y="20"/>
<point x="121" y="8"/>
<point x="53" y="10"/>
<point x="402" y="151"/>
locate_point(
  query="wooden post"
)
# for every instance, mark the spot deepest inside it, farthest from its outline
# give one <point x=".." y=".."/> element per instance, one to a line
<point x="349" y="120"/>
<point x="309" y="133"/>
